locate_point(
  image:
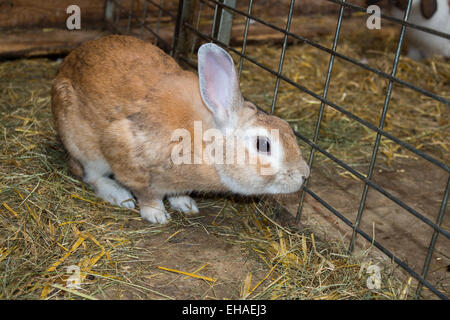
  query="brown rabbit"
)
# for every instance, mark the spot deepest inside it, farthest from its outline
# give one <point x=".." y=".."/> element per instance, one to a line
<point x="120" y="105"/>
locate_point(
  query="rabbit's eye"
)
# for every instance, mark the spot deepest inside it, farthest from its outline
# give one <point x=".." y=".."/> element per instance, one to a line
<point x="263" y="145"/>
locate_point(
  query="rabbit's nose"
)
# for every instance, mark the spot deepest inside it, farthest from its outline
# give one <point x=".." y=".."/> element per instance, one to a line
<point x="304" y="169"/>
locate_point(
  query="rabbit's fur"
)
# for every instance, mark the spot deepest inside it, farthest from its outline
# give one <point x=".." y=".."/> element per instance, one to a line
<point x="117" y="102"/>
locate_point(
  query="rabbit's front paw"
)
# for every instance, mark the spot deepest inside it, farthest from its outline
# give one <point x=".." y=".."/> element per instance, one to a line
<point x="155" y="213"/>
<point x="184" y="204"/>
<point x="111" y="191"/>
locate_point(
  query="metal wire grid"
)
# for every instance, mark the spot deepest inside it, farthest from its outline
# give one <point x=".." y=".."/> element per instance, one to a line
<point x="116" y="9"/>
<point x="185" y="21"/>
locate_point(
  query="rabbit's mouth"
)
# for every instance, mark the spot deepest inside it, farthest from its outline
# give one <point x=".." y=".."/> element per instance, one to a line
<point x="289" y="182"/>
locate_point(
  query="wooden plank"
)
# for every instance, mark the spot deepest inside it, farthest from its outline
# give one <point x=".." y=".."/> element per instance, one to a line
<point x="49" y="13"/>
<point x="28" y="43"/>
<point x="52" y="13"/>
<point x="57" y="41"/>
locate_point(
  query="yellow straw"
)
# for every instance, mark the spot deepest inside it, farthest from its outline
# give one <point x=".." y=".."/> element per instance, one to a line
<point x="188" y="274"/>
<point x="72" y="250"/>
<point x="9" y="209"/>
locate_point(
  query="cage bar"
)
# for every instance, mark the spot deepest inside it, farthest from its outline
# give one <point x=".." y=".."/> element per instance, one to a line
<point x="380" y="126"/>
<point x="109" y="11"/>
<point x="322" y="108"/>
<point x="226" y="23"/>
<point x="283" y="51"/>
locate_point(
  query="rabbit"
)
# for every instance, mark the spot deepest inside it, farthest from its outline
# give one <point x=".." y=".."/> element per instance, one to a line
<point x="116" y="103"/>
<point x="432" y="14"/>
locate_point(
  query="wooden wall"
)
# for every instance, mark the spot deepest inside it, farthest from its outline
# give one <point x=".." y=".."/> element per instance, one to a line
<point x="38" y="27"/>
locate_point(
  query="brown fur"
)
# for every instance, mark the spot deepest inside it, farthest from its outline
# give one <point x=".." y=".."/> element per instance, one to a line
<point x="114" y="99"/>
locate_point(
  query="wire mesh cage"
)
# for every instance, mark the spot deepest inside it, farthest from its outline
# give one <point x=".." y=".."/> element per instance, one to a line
<point x="179" y="27"/>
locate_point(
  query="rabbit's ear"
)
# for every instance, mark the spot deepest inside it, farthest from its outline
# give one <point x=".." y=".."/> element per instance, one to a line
<point x="219" y="86"/>
<point x="428" y="8"/>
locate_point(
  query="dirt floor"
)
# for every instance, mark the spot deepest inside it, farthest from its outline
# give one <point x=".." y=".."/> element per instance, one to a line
<point x="417" y="183"/>
<point x="190" y="248"/>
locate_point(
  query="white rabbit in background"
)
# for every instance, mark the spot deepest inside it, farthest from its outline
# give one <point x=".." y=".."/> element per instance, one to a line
<point x="432" y="14"/>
